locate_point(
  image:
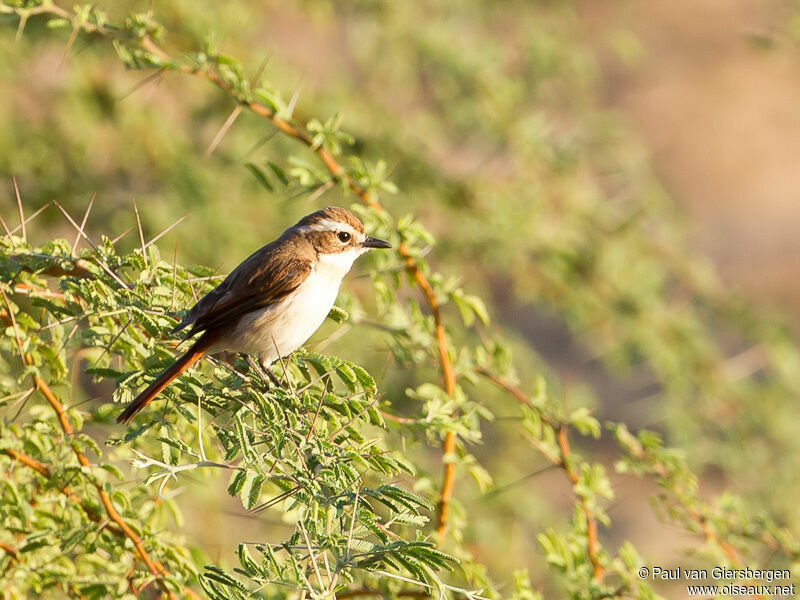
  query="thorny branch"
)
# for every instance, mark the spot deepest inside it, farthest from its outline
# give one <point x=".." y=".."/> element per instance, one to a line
<point x="46" y="472"/>
<point x="156" y="568"/>
<point x="593" y="545"/>
<point x="695" y="515"/>
<point x="562" y="461"/>
<point x="338" y="173"/>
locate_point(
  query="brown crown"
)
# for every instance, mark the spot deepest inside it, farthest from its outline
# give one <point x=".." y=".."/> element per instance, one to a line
<point x="332" y="213"/>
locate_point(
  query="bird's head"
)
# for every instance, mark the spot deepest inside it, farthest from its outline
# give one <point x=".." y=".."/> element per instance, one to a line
<point x="337" y="236"/>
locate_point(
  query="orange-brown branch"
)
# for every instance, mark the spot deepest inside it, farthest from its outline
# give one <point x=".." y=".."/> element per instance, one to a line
<point x="10" y="550"/>
<point x="156" y="568"/>
<point x="563" y="461"/>
<point x="46" y="472"/>
<point x="592" y="542"/>
<point x="449" y="376"/>
<point x="333" y="167"/>
<point x="28" y="461"/>
<point x="336" y="170"/>
<point x="593" y="545"/>
<point x="695" y="515"/>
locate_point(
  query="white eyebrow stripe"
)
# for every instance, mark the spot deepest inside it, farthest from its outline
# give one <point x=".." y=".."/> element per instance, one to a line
<point x="329" y="225"/>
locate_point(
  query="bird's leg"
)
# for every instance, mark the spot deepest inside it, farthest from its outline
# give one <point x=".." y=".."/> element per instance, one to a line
<point x="258" y="370"/>
<point x="271" y="375"/>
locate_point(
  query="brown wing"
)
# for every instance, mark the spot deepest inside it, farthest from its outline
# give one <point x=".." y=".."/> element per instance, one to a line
<point x="264" y="278"/>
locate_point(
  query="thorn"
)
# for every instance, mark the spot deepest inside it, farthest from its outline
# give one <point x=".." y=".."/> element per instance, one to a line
<point x="141" y="234"/>
<point x="227" y="34"/>
<point x="80" y="230"/>
<point x="283" y="368"/>
<point x="319" y="407"/>
<point x="121" y="235"/>
<point x="174" y="275"/>
<point x="321" y="190"/>
<point x="223" y="130"/>
<point x="83" y="223"/>
<point x="23" y="19"/>
<point x="112" y="342"/>
<point x="261" y="68"/>
<point x="143" y="82"/>
<point x="31" y="218"/>
<point x="258" y="144"/>
<point x="200" y="431"/>
<point x="70" y="41"/>
<point x="103" y="266"/>
<point x="19" y="205"/>
<point x="293" y="100"/>
<point x="191" y="289"/>
<point x="165" y="231"/>
<point x="5" y="227"/>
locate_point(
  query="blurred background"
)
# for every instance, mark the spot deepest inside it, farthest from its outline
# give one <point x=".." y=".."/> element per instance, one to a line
<point x="618" y="179"/>
<point x="711" y="89"/>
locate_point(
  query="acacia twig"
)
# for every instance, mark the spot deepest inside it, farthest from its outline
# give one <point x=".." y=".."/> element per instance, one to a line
<point x="21" y="213"/>
<point x="339" y="174"/>
<point x="46" y="471"/>
<point x="155" y="567"/>
<point x="592" y="543"/>
<point x="562" y="461"/>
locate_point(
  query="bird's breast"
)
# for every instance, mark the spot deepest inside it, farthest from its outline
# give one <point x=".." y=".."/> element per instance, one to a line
<point x="280" y="329"/>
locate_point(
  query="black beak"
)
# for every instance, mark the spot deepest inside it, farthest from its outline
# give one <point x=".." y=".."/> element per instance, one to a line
<point x="372" y="242"/>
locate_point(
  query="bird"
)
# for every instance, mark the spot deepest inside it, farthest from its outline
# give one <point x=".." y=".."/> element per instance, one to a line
<point x="269" y="305"/>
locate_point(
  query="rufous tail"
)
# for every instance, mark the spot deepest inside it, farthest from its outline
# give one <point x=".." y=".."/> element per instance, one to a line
<point x="191" y="356"/>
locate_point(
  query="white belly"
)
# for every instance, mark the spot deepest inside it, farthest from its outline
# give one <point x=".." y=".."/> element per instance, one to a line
<point x="281" y="329"/>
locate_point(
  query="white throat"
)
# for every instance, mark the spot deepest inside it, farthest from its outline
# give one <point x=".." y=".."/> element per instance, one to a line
<point x="338" y="264"/>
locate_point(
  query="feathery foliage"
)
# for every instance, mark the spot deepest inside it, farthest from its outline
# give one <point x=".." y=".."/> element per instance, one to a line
<point x="329" y="454"/>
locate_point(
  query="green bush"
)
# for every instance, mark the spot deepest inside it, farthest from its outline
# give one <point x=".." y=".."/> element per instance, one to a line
<point x="348" y="461"/>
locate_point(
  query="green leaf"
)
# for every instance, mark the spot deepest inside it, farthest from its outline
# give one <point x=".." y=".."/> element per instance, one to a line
<point x="279" y="173"/>
<point x="57" y="23"/>
<point x="236" y="482"/>
<point x="251" y="489"/>
<point x="260" y="176"/>
<point x="584" y="422"/>
<point x="338" y="314"/>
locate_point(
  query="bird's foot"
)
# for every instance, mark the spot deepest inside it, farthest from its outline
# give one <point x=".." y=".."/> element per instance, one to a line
<point x="274" y="379"/>
<point x="264" y="374"/>
<point x="264" y="377"/>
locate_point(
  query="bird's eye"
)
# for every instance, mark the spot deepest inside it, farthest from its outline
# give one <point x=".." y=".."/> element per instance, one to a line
<point x="343" y="236"/>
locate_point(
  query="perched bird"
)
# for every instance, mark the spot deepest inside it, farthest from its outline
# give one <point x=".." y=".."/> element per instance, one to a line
<point x="275" y="300"/>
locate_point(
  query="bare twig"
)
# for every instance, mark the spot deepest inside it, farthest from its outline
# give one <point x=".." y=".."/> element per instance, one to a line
<point x="365" y="591"/>
<point x="338" y="173"/>
<point x="28" y="219"/>
<point x="141" y="234"/>
<point x="83" y="223"/>
<point x="223" y="130"/>
<point x="19" y="206"/>
<point x="165" y="231"/>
